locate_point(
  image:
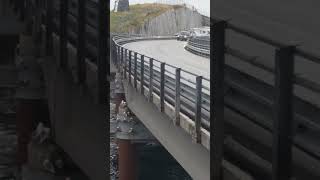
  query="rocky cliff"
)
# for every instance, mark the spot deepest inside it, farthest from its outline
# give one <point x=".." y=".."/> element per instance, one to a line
<point x="171" y="22"/>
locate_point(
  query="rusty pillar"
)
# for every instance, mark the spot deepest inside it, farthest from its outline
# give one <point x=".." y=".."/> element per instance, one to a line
<point x="29" y="113"/>
<point x="127" y="151"/>
<point x="128" y="160"/>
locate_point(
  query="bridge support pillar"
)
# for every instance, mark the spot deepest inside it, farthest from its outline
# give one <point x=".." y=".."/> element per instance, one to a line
<point x="128" y="160"/>
<point x="129" y="132"/>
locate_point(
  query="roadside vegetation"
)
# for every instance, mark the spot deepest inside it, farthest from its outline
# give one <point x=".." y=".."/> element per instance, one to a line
<point x="122" y="22"/>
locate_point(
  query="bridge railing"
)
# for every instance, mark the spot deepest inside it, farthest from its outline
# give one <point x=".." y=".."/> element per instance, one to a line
<point x="187" y="93"/>
<point x="289" y="111"/>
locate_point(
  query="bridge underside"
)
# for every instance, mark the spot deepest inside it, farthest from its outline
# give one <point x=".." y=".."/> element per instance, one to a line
<point x="193" y="157"/>
<point x="77" y="121"/>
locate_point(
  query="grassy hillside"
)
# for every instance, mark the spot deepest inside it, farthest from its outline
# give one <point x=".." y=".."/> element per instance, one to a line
<point x="136" y="16"/>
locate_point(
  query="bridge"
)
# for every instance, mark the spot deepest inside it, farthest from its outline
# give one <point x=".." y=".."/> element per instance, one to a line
<point x="262" y="112"/>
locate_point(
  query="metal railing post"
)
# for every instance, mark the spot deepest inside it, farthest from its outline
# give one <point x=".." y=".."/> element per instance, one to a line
<point x="121" y="58"/>
<point x="135" y="70"/>
<point x="49" y="28"/>
<point x="118" y="55"/>
<point x="130" y="55"/>
<point x="142" y="75"/>
<point x="81" y="41"/>
<point x="103" y="54"/>
<point x="125" y="64"/>
<point x="162" y="81"/>
<point x="15" y="6"/>
<point x="150" y="80"/>
<point x="217" y="98"/>
<point x="282" y="133"/>
<point x="123" y="61"/>
<point x="198" y="104"/>
<point x="177" y="97"/>
<point x="21" y="9"/>
<point x="63" y="32"/>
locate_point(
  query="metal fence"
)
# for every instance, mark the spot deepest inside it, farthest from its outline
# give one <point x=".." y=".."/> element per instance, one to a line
<point x="288" y="113"/>
<point x="81" y="25"/>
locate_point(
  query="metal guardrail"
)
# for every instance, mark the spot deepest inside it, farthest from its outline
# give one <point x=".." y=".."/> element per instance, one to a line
<point x="188" y="93"/>
<point x="280" y="98"/>
<point x="199" y="45"/>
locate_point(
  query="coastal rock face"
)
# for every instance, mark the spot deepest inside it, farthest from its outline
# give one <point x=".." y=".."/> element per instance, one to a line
<point x="123" y="5"/>
<point x="171" y="22"/>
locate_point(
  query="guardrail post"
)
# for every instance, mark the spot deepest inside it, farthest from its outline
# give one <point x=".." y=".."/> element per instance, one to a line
<point x="217" y="98"/>
<point x="118" y="56"/>
<point x="162" y="81"/>
<point x="103" y="53"/>
<point x="124" y="56"/>
<point x="197" y="120"/>
<point x="135" y="70"/>
<point x="117" y="53"/>
<point x="21" y="10"/>
<point x="142" y="75"/>
<point x="121" y="57"/>
<point x="63" y="32"/>
<point x="282" y="133"/>
<point x="150" y="80"/>
<point x="125" y="64"/>
<point x="15" y="6"/>
<point x="49" y="30"/>
<point x="130" y="58"/>
<point x="81" y="41"/>
<point x="177" y="97"/>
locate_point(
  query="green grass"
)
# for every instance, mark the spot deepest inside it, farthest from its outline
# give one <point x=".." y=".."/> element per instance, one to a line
<point x="122" y="22"/>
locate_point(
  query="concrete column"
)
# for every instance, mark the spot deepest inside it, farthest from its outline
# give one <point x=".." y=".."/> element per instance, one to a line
<point x="28" y="114"/>
<point x="128" y="160"/>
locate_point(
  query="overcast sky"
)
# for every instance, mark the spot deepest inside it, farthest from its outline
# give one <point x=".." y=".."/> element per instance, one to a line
<point x="203" y="6"/>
